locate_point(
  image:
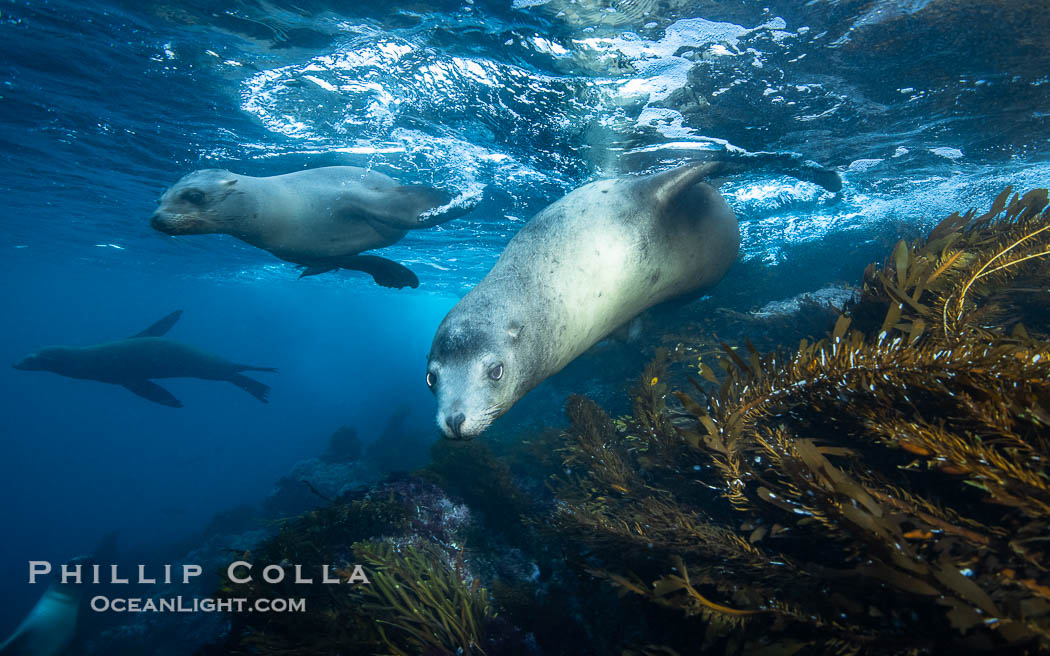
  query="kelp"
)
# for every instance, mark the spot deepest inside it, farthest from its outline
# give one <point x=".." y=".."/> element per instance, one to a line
<point x="969" y="272"/>
<point x="884" y="489"/>
<point x="420" y="598"/>
<point x="421" y="603"/>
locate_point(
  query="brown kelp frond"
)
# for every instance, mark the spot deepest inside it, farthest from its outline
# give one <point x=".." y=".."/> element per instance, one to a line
<point x="998" y="386"/>
<point x="592" y="453"/>
<point x="970" y="271"/>
<point x="678" y="591"/>
<point x="886" y="486"/>
<point x="426" y="603"/>
<point x="1012" y="474"/>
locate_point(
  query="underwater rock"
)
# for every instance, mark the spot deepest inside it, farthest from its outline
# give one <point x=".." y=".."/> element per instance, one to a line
<point x="833" y="295"/>
<point x="424" y="595"/>
<point x="343" y="446"/>
<point x="401" y="446"/>
<point x="315" y="482"/>
<point x="177" y="634"/>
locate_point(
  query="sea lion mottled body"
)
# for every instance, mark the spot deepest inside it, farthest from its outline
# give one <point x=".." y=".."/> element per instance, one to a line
<point x="321" y="219"/>
<point x="135" y="361"/>
<point x="582" y="267"/>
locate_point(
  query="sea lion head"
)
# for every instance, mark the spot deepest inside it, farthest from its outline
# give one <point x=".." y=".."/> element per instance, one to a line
<point x="52" y="358"/>
<point x="202" y="202"/>
<point x="475" y="373"/>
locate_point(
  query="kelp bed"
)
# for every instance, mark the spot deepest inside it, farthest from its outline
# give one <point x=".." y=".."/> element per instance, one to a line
<point x="881" y="490"/>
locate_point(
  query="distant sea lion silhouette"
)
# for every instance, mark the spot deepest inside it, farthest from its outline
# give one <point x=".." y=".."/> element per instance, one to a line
<point x="585" y="265"/>
<point x="321" y="219"/>
<point x="135" y="361"/>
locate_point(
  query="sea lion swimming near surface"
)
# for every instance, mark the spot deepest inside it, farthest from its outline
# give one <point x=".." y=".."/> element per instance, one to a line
<point x="584" y="266"/>
<point x="135" y="361"/>
<point x="321" y="219"/>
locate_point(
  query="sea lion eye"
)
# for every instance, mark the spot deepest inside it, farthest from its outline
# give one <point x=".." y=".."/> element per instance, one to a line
<point x="496" y="372"/>
<point x="195" y="196"/>
<point x="431" y="379"/>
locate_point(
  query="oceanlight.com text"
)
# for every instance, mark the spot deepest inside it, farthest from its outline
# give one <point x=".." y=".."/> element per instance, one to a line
<point x="179" y="604"/>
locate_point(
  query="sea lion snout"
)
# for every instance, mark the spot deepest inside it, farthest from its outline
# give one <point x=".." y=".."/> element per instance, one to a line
<point x="28" y="363"/>
<point x="460" y="420"/>
<point x="160" y="221"/>
<point x="455" y="425"/>
<point x="175" y="224"/>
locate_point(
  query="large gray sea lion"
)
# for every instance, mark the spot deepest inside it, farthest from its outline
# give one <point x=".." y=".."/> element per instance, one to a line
<point x="321" y="219"/>
<point x="135" y="361"/>
<point x="582" y="267"/>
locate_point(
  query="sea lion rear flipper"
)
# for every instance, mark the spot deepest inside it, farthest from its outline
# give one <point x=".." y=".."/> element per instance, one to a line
<point x="385" y="272"/>
<point x="153" y="392"/>
<point x="161" y="327"/>
<point x="259" y="390"/>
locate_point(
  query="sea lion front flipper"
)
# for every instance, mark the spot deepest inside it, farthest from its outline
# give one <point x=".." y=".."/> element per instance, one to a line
<point x="161" y="327"/>
<point x="153" y="392"/>
<point x="385" y="272"/>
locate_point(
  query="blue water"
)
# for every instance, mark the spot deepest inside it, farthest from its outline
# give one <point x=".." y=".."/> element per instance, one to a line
<point x="924" y="107"/>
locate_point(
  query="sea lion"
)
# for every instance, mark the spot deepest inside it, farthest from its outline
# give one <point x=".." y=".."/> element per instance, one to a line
<point x="321" y="219"/>
<point x="50" y="626"/>
<point x="134" y="361"/>
<point x="585" y="265"/>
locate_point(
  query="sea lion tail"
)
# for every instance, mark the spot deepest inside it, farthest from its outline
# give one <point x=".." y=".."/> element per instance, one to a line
<point x="255" y="388"/>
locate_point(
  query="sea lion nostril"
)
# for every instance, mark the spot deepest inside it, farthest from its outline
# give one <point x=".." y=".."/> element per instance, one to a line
<point x="455" y="424"/>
